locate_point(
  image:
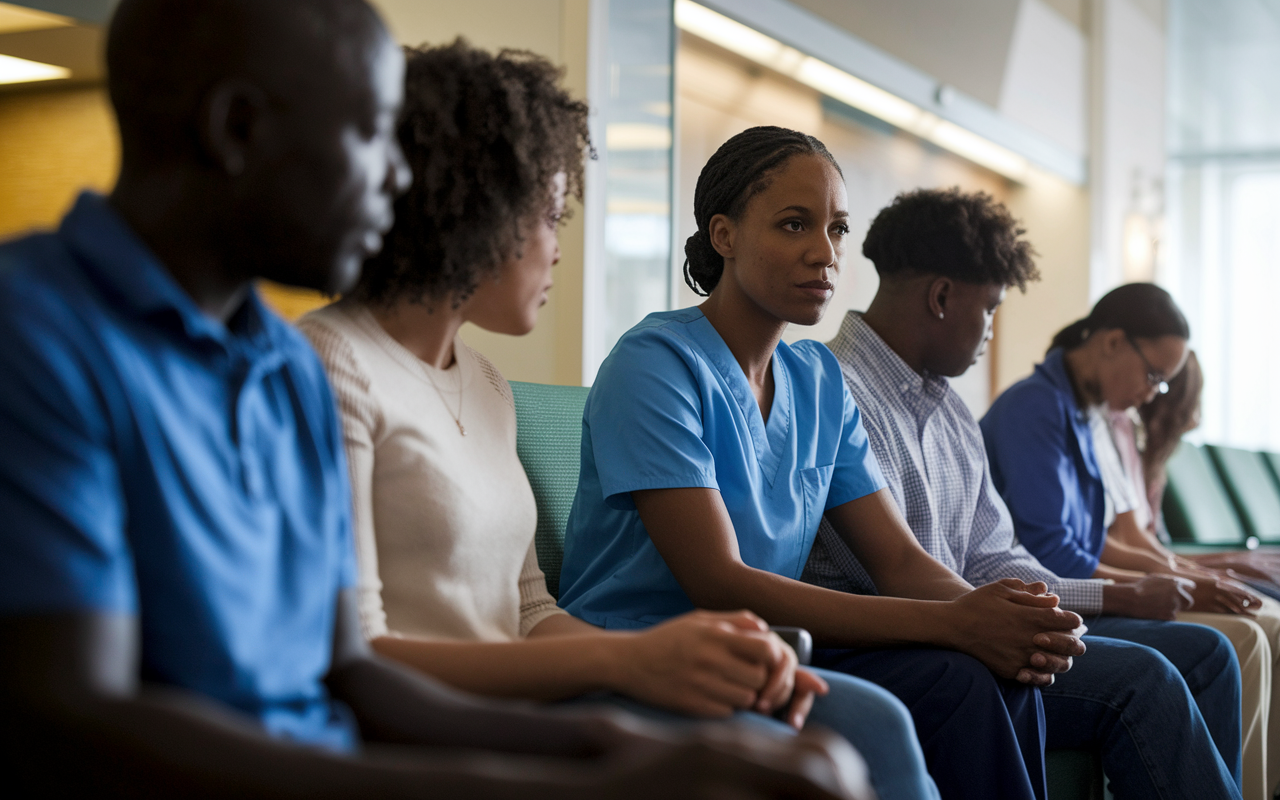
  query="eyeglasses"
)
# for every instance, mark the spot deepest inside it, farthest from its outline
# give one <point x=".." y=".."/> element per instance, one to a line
<point x="1154" y="379"/>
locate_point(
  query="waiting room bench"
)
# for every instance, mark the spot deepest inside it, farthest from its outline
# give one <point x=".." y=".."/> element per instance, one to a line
<point x="549" y="440"/>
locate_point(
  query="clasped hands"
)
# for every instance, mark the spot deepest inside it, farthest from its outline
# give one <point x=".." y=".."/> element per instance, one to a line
<point x="712" y="663"/>
<point x="1017" y="630"/>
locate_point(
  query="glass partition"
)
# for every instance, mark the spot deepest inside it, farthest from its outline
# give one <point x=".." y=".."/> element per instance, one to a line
<point x="628" y="273"/>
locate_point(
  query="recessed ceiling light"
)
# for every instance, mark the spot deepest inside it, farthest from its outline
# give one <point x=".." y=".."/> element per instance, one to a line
<point x="20" y="70"/>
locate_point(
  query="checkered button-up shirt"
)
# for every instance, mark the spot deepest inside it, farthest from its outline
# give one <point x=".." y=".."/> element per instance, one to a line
<point x="930" y="449"/>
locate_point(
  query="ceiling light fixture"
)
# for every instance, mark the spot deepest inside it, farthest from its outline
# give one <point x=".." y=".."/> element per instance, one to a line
<point x="20" y="70"/>
<point x="849" y="89"/>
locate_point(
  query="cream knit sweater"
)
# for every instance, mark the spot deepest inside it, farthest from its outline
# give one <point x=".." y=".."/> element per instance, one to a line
<point x="444" y="523"/>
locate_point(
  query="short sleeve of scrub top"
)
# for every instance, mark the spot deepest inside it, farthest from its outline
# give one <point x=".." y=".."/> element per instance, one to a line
<point x="671" y="408"/>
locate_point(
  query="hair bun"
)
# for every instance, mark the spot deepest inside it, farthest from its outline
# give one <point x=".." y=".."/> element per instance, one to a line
<point x="703" y="265"/>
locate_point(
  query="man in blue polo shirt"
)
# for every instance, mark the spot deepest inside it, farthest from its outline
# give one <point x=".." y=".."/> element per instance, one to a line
<point x="175" y="554"/>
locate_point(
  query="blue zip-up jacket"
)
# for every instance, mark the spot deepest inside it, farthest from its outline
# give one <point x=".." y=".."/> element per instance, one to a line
<point x="1043" y="465"/>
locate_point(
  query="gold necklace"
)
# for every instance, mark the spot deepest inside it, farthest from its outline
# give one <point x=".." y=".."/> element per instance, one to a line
<point x="457" y="418"/>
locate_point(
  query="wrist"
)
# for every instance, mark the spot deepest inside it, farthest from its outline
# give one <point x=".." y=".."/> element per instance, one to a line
<point x="1116" y="599"/>
<point x="613" y="661"/>
<point x="947" y="626"/>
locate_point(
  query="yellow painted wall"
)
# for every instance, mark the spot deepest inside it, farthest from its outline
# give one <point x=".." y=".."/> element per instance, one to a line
<point x="52" y="144"/>
<point x="1056" y="216"/>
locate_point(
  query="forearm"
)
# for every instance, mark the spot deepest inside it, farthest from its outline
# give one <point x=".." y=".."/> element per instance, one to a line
<point x="1107" y="572"/>
<point x="835" y="619"/>
<point x="549" y="665"/>
<point x="918" y="576"/>
<point x="164" y="743"/>
<point x="1123" y="557"/>
<point x="397" y="705"/>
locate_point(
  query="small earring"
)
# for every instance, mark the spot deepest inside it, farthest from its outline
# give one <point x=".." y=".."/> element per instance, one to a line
<point x="939" y="315"/>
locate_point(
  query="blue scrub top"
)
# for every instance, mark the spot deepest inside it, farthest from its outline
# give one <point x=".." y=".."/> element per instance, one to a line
<point x="158" y="464"/>
<point x="1043" y="465"/>
<point x="671" y="408"/>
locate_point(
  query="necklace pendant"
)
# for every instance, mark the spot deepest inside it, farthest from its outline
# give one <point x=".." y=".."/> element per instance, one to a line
<point x="461" y="429"/>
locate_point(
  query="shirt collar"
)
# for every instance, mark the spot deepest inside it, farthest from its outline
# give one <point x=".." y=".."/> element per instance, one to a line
<point x="857" y="340"/>
<point x="122" y="264"/>
<point x="1054" y="370"/>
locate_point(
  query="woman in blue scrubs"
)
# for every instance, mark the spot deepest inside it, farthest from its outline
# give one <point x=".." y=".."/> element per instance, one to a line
<point x="711" y="450"/>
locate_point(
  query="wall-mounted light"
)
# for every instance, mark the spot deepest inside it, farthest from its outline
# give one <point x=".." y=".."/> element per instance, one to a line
<point x="1143" y="230"/>
<point x="20" y="70"/>
<point x="849" y="89"/>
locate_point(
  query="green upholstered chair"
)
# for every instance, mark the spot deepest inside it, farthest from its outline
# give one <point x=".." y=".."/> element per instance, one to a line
<point x="548" y="441"/>
<point x="548" y="438"/>
<point x="1252" y="489"/>
<point x="1197" y="508"/>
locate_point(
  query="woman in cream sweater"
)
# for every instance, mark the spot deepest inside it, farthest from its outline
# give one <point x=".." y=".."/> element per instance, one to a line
<point x="445" y="517"/>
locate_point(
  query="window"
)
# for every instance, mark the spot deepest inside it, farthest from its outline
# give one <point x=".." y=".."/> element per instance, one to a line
<point x="1223" y="257"/>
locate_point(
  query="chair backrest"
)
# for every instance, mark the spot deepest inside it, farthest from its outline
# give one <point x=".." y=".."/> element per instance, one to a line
<point x="1196" y="505"/>
<point x="548" y="441"/>
<point x="1252" y="489"/>
<point x="1273" y="461"/>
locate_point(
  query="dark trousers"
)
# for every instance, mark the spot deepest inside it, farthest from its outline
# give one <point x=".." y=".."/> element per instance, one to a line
<point x="983" y="738"/>
<point x="1130" y="703"/>
<point x="1207" y="663"/>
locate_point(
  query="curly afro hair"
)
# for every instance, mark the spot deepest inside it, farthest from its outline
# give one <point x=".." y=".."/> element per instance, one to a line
<point x="484" y="135"/>
<point x="966" y="237"/>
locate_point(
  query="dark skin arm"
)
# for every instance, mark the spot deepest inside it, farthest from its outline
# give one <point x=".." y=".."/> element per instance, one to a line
<point x="76" y="718"/>
<point x="1014" y="629"/>
<point x="1127" y="548"/>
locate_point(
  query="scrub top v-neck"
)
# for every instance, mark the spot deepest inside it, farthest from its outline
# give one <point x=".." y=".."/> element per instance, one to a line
<point x="671" y="408"/>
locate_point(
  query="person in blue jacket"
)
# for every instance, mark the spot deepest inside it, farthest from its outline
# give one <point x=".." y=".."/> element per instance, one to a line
<point x="711" y="450"/>
<point x="1044" y="464"/>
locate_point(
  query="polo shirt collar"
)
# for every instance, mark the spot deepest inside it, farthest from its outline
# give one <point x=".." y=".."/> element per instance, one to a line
<point x="122" y="264"/>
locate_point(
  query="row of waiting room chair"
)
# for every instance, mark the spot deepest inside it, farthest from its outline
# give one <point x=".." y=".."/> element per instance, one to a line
<point x="1222" y="497"/>
<point x="1218" y="496"/>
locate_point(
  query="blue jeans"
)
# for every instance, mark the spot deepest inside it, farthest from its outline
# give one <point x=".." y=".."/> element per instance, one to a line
<point x="873" y="720"/>
<point x="1206" y="661"/>
<point x="1129" y="702"/>
<point x="983" y="738"/>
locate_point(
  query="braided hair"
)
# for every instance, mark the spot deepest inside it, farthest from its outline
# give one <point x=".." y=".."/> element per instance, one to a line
<point x="1141" y="310"/>
<point x="738" y="171"/>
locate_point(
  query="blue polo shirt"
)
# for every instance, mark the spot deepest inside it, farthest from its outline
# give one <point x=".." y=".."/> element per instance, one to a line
<point x="671" y="408"/>
<point x="1043" y="465"/>
<point x="160" y="464"/>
